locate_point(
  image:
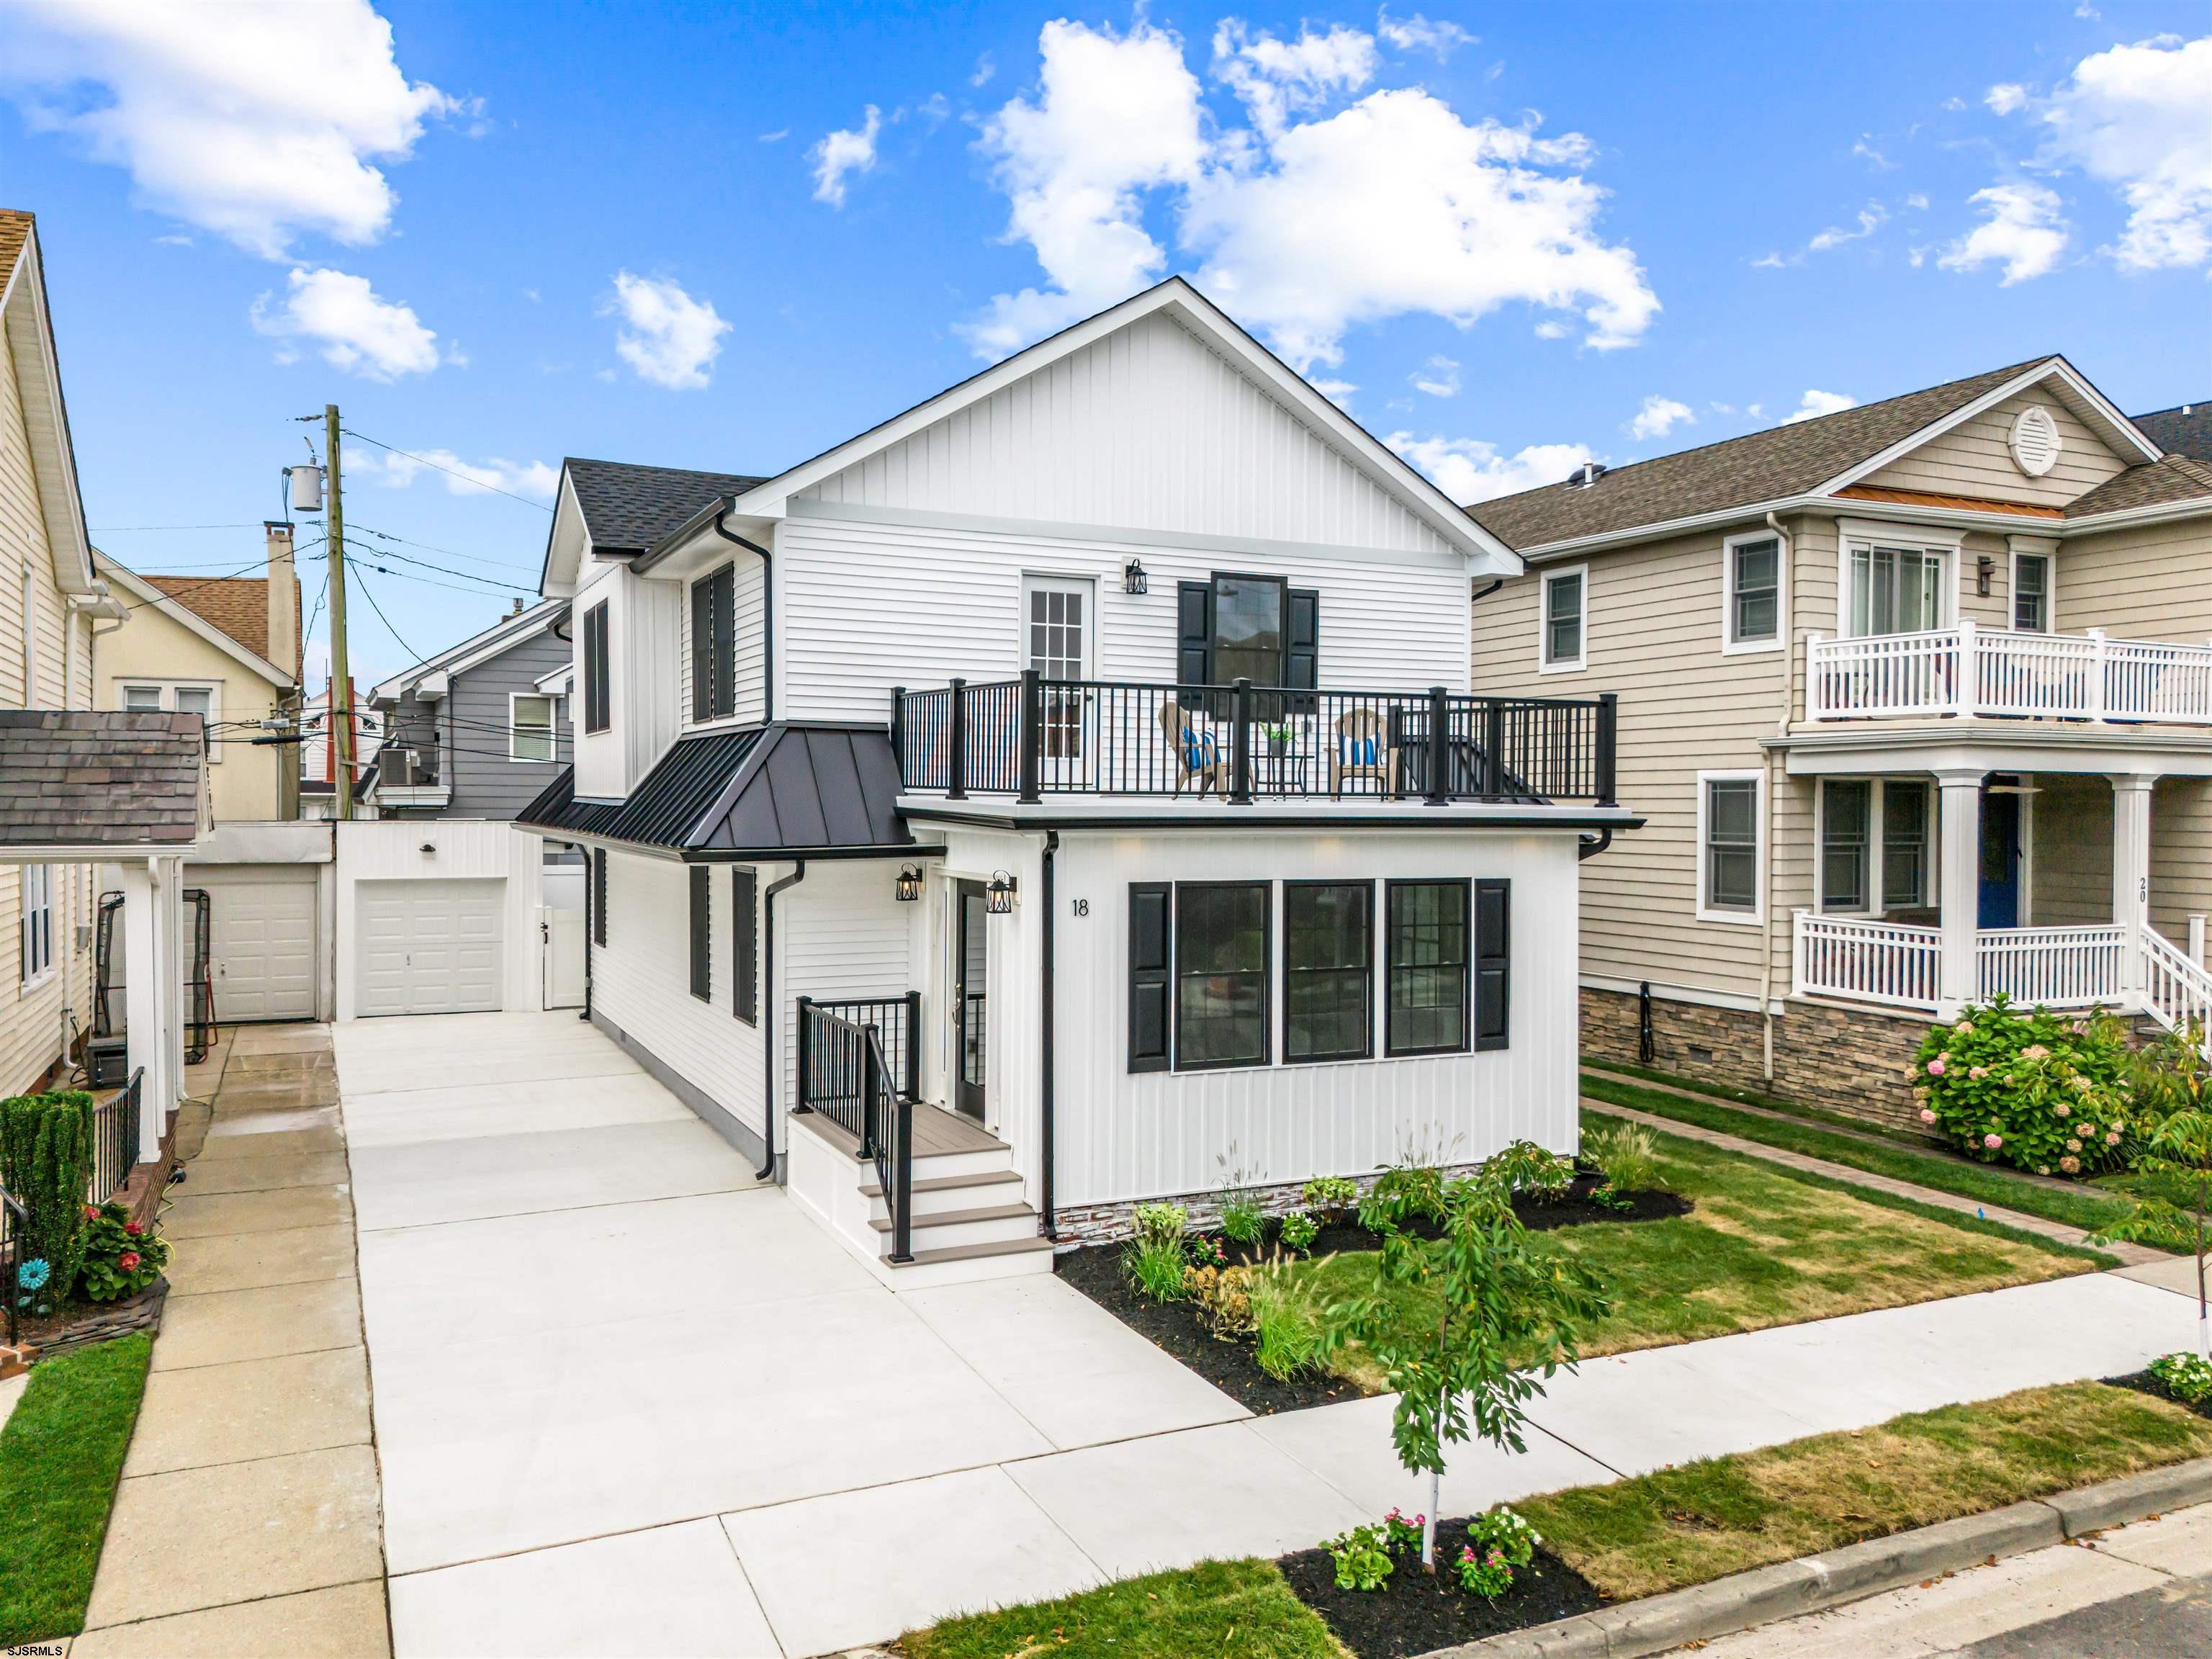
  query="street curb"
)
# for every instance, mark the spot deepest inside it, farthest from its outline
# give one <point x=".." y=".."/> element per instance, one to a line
<point x="1818" y="1582"/>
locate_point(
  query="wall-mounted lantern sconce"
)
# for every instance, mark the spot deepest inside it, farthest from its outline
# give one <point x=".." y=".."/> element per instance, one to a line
<point x="1984" y="567"/>
<point x="909" y="887"/>
<point x="1133" y="579"/>
<point x="998" y="897"/>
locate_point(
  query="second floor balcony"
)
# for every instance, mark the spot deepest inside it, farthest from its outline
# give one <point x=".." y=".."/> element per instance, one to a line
<point x="1032" y="737"/>
<point x="1967" y="670"/>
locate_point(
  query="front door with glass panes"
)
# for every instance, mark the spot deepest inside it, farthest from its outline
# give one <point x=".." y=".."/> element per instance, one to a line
<point x="1057" y="627"/>
<point x="1898" y="590"/>
<point x="971" y="964"/>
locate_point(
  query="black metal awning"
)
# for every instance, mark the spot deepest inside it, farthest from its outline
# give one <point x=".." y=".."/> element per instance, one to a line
<point x="780" y="790"/>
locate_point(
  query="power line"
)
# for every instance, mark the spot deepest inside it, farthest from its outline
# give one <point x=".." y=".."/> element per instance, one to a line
<point x="260" y="563"/>
<point x="381" y="618"/>
<point x="354" y="562"/>
<point x="450" y="552"/>
<point x="425" y="460"/>
<point x="466" y="576"/>
<point x="119" y="529"/>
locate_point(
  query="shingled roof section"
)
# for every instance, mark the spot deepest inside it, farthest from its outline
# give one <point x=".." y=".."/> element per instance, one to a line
<point x="2184" y="429"/>
<point x="1760" y="466"/>
<point x="239" y="605"/>
<point x="627" y="508"/>
<point x="2169" y="478"/>
<point x="100" y="778"/>
<point x="14" y="236"/>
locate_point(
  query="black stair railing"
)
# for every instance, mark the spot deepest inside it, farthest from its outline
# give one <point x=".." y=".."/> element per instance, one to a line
<point x="846" y="1075"/>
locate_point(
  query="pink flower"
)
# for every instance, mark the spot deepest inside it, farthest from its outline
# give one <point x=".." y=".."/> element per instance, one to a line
<point x="2081" y="1028"/>
<point x="2035" y="1051"/>
<point x="1979" y="1072"/>
<point x="1936" y="1067"/>
<point x="1926" y="1116"/>
<point x="2071" y="1165"/>
<point x="1993" y="1141"/>
<point x="2062" y="1109"/>
<point x="133" y="1229"/>
<point x="2073" y="1145"/>
<point x="128" y="1262"/>
<point x="2112" y="1138"/>
<point x="1964" y="1028"/>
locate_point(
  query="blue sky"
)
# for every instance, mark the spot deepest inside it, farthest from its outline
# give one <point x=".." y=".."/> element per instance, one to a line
<point x="1503" y="236"/>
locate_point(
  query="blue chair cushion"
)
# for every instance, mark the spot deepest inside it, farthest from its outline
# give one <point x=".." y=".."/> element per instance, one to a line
<point x="1198" y="749"/>
<point x="1357" y="752"/>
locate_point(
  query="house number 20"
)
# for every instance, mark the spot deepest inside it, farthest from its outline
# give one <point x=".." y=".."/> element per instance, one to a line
<point x="1081" y="907"/>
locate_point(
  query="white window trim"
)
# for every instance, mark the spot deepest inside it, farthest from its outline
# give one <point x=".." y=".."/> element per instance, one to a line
<point x="2049" y="555"/>
<point x="1730" y="646"/>
<point x="552" y="726"/>
<point x="31" y="978"/>
<point x="1035" y="582"/>
<point x="1852" y="534"/>
<point x="167" y="690"/>
<point x="1756" y="916"/>
<point x="1581" y="662"/>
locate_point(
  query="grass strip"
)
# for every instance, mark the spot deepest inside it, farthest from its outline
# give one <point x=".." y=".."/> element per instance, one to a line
<point x="1753" y="1099"/>
<point x="61" y="1455"/>
<point x="1238" y="1609"/>
<point x="2085" y="1208"/>
<point x="1703" y="1521"/>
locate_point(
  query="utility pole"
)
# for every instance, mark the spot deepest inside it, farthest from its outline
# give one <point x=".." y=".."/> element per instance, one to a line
<point x="341" y="709"/>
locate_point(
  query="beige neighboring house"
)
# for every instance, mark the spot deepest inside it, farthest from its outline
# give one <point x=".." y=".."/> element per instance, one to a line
<point x="1917" y="702"/>
<point x="226" y="648"/>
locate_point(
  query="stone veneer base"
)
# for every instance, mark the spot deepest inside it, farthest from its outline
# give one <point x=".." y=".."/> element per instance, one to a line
<point x="1076" y="1226"/>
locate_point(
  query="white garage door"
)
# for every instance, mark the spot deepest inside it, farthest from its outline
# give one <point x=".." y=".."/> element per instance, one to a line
<point x="263" y="939"/>
<point x="428" y="947"/>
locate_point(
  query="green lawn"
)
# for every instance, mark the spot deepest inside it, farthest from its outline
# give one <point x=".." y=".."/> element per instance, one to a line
<point x="2089" y="1207"/>
<point x="61" y="1455"/>
<point x="1237" y="1609"/>
<point x="1765" y="1246"/>
<point x="1705" y="1520"/>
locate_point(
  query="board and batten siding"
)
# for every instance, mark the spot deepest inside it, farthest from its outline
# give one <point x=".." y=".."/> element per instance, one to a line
<point x="864" y="606"/>
<point x="644" y="629"/>
<point x="1147" y="428"/>
<point x="1975" y="458"/>
<point x="841" y="934"/>
<point x="746" y="630"/>
<point x="486" y="782"/>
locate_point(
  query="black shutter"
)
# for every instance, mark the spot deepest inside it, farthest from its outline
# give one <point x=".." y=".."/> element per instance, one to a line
<point x="1302" y="641"/>
<point x="725" y="587"/>
<point x="1493" y="986"/>
<point x="702" y="932"/>
<point x="744" y="933"/>
<point x="600" y="897"/>
<point x="1149" y="981"/>
<point x="1194" y="632"/>
<point x="597" y="703"/>
<point x="703" y="650"/>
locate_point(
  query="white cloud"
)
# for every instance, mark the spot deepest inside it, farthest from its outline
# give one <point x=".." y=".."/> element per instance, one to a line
<point x="934" y="109"/>
<point x="2005" y="97"/>
<point x="1917" y="202"/>
<point x="257" y="121"/>
<point x="1769" y="262"/>
<point x="985" y="67"/>
<point x="1438" y="377"/>
<point x="1814" y="404"/>
<point x="846" y="150"/>
<point x="1306" y="228"/>
<point x="775" y="138"/>
<point x="1337" y="392"/>
<point x="2085" y="10"/>
<point x="1470" y="471"/>
<point x="2135" y="118"/>
<point x="2020" y="229"/>
<point x="1552" y="329"/>
<point x="353" y="328"/>
<point x="1872" y="217"/>
<point x="1418" y="34"/>
<point x="669" y="338"/>
<point x="1865" y="151"/>
<point x="395" y="471"/>
<point x="1659" y="416"/>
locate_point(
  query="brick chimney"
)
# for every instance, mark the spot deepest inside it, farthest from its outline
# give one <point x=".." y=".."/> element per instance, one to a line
<point x="283" y="599"/>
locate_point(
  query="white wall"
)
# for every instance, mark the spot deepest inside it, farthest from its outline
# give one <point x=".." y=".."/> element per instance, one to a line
<point x="644" y="631"/>
<point x="864" y="606"/>
<point x="463" y="848"/>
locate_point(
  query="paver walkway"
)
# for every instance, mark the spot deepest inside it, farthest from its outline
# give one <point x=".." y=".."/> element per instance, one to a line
<point x="629" y="1401"/>
<point x="246" y="1524"/>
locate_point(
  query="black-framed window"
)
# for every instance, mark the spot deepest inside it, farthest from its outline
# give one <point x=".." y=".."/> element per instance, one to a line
<point x="714" y="644"/>
<point x="702" y="932"/>
<point x="1425" y="938"/>
<point x="1222" y="956"/>
<point x="599" y="706"/>
<point x="1253" y="627"/>
<point x="1904" y="844"/>
<point x="599" y="896"/>
<point x="1328" y="970"/>
<point x="744" y="940"/>
<point x="1846" y="807"/>
<point x="1754" y="591"/>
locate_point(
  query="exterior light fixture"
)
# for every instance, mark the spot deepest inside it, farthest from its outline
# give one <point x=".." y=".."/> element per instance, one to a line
<point x="1984" y="567"/>
<point x="998" y="897"/>
<point x="1133" y="579"/>
<point x="909" y="887"/>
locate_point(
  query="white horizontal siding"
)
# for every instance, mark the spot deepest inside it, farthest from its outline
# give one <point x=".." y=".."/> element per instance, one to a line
<point x="841" y="934"/>
<point x="1148" y="428"/>
<point x="868" y="606"/>
<point x="1975" y="458"/>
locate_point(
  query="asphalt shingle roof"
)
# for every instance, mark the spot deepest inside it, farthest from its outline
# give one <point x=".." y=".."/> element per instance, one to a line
<point x="99" y="778"/>
<point x="2184" y="429"/>
<point x="2170" y="478"/>
<point x="627" y="508"/>
<point x="238" y="605"/>
<point x="1784" y="461"/>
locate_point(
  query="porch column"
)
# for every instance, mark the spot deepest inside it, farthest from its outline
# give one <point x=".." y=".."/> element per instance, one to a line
<point x="145" y="1042"/>
<point x="1960" y="903"/>
<point x="2131" y="869"/>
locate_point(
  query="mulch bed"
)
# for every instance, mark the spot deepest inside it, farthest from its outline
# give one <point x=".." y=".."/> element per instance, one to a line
<point x="80" y="1324"/>
<point x="2144" y="1382"/>
<point x="1414" y="1613"/>
<point x="1232" y="1366"/>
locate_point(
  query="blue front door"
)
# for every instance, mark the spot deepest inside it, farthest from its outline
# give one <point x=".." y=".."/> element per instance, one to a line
<point x="2000" y="895"/>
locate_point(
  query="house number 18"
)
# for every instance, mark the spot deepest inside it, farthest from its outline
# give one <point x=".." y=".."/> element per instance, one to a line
<point x="1081" y="907"/>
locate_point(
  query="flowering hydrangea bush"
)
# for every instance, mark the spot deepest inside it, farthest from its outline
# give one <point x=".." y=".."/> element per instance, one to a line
<point x="2039" y="1090"/>
<point x="121" y="1258"/>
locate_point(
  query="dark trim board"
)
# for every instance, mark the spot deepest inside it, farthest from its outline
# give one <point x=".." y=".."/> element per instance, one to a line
<point x="747" y="1144"/>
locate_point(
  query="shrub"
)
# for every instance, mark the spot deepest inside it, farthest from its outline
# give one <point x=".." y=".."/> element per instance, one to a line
<point x="1201" y="1251"/>
<point x="1626" y="1156"/>
<point x="121" y="1258"/>
<point x="1223" y="1302"/>
<point x="1363" y="1559"/>
<point x="1158" y="1224"/>
<point x="1241" y="1220"/>
<point x="2028" y="1088"/>
<point x="1400" y="1534"/>
<point x="1497" y="1543"/>
<point x="45" y="1154"/>
<point x="1525" y="1167"/>
<point x="1331" y="1196"/>
<point x="1400" y="1193"/>
<point x="1299" y="1230"/>
<point x="1157" y="1270"/>
<point x="2187" y="1376"/>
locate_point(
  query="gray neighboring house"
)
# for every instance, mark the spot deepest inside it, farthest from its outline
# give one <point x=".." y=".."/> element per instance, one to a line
<point x="480" y="729"/>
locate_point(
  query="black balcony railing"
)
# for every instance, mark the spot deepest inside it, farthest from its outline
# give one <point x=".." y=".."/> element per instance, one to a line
<point x="1034" y="736"/>
<point x="847" y="1075"/>
<point x="115" y="1126"/>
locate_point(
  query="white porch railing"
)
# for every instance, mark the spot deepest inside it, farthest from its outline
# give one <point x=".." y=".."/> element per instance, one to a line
<point x="2176" y="992"/>
<point x="2057" y="966"/>
<point x="1967" y="670"/>
<point x="1882" y="961"/>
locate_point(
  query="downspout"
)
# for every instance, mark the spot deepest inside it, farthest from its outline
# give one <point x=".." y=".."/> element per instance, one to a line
<point x="1781" y="730"/>
<point x="767" y="617"/>
<point x="1045" y="1031"/>
<point x="767" y="1171"/>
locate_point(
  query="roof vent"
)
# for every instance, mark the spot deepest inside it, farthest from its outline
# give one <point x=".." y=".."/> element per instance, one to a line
<point x="2035" y="441"/>
<point x="1586" y="475"/>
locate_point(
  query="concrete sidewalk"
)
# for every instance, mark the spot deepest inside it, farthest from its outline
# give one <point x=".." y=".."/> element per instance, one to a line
<point x="246" y="1524"/>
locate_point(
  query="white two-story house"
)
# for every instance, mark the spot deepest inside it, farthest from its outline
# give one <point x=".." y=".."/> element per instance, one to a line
<point x="1068" y="793"/>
